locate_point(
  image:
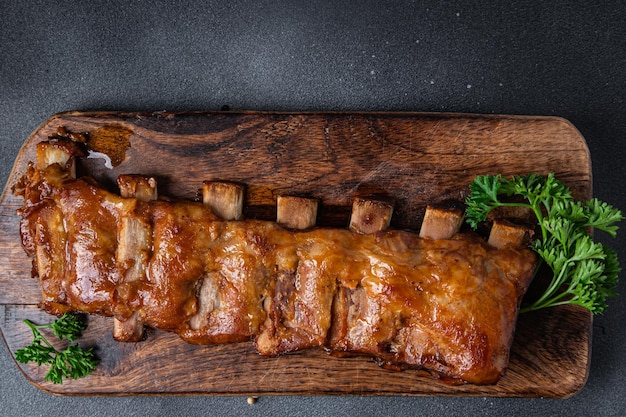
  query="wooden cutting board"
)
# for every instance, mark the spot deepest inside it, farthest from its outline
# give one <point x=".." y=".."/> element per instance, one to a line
<point x="415" y="158"/>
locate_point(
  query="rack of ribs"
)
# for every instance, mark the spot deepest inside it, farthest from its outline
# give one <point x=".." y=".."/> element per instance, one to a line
<point x="440" y="300"/>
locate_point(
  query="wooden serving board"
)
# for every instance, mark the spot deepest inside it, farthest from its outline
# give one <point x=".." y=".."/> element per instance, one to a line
<point x="414" y="158"/>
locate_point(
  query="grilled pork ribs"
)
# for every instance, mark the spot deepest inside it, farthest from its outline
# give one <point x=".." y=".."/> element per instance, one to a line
<point x="440" y="300"/>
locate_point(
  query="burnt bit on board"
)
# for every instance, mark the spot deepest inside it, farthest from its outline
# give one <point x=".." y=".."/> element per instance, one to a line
<point x="111" y="140"/>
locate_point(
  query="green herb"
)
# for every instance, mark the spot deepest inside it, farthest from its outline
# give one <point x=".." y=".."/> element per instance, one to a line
<point x="584" y="271"/>
<point x="73" y="362"/>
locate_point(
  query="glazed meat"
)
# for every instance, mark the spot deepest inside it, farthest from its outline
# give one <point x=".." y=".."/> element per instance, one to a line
<point x="442" y="300"/>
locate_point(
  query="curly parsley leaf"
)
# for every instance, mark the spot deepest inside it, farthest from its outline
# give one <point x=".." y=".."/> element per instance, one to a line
<point x="585" y="272"/>
<point x="68" y="326"/>
<point x="72" y="362"/>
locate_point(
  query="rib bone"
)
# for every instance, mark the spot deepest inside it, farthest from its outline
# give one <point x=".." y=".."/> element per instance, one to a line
<point x="356" y="307"/>
<point x="370" y="216"/>
<point x="441" y="223"/>
<point x="288" y="323"/>
<point x="138" y="186"/>
<point x="505" y="234"/>
<point x="62" y="153"/>
<point x="225" y="199"/>
<point x="296" y="212"/>
<point x="134" y="242"/>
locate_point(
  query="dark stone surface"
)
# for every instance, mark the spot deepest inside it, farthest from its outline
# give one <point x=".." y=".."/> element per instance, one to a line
<point x="563" y="58"/>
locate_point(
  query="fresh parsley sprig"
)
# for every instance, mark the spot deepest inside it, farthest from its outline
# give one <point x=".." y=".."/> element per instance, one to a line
<point x="73" y="362"/>
<point x="585" y="272"/>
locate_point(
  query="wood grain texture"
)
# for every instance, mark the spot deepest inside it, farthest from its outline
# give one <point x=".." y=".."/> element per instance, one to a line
<point x="412" y="158"/>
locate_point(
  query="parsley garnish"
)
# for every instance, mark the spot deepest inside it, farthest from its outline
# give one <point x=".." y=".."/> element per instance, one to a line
<point x="584" y="271"/>
<point x="73" y="362"/>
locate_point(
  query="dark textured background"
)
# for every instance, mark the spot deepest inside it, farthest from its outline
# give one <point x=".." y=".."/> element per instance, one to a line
<point x="563" y="58"/>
